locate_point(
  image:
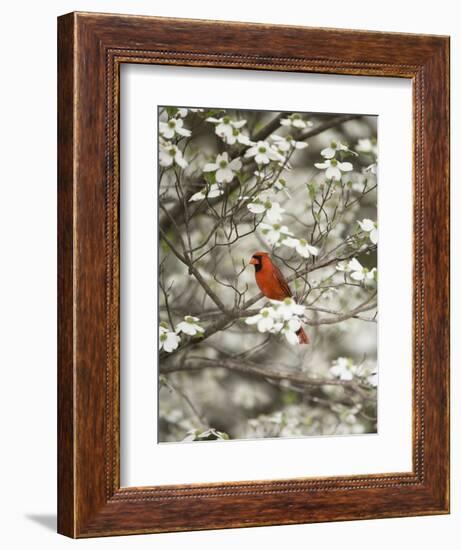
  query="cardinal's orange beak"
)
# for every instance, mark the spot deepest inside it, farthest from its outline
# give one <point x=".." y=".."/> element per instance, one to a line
<point x="253" y="261"/>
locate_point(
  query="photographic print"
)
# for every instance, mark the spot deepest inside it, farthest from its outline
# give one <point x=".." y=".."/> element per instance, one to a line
<point x="267" y="274"/>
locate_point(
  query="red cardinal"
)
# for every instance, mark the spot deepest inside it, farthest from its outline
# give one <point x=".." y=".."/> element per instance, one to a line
<point x="273" y="284"/>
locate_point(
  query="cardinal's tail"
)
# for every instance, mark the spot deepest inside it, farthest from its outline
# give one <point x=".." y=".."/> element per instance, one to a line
<point x="303" y="338"/>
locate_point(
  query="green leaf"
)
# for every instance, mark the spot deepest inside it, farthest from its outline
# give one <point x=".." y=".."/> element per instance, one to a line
<point x="171" y="111"/>
<point x="312" y="188"/>
<point x="209" y="177"/>
<point x="290" y="397"/>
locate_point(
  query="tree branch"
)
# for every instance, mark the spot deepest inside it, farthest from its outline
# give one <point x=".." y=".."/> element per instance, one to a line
<point x="268" y="371"/>
<point x="194" y="271"/>
<point x="327" y="125"/>
<point x="234" y="315"/>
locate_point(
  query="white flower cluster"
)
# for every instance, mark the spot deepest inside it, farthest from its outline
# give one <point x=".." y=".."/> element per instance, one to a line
<point x="357" y="272"/>
<point x="169" y="339"/>
<point x="344" y="368"/>
<point x="279" y="318"/>
<point x="224" y="171"/>
<point x="263" y="204"/>
<point x="263" y="153"/>
<point x="182" y="112"/>
<point x="332" y="166"/>
<point x="172" y="127"/>
<point x="296" y="121"/>
<point x="370" y="227"/>
<point x="277" y="234"/>
<point x="285" y="144"/>
<point x="229" y="130"/>
<point x="336" y="147"/>
<point x="302" y="247"/>
<point x="170" y="154"/>
<point x="211" y="191"/>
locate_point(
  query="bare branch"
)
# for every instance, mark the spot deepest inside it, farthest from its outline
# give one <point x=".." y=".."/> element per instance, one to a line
<point x="194" y="271"/>
<point x="187" y="399"/>
<point x="327" y="125"/>
<point x="194" y="363"/>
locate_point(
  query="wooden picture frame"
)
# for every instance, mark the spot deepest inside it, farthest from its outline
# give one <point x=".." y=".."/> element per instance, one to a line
<point x="92" y="48"/>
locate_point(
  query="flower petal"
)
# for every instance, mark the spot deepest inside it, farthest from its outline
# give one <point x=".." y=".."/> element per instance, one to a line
<point x="328" y="153"/>
<point x="210" y="167"/>
<point x="256" y="208"/>
<point x="355" y="265"/>
<point x="333" y="173"/>
<point x="300" y="145"/>
<point x="358" y="275"/>
<point x="345" y="166"/>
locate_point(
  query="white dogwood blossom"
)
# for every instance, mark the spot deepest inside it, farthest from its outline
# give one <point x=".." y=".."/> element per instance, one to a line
<point x="212" y="191"/>
<point x="360" y="273"/>
<point x="170" y="154"/>
<point x="302" y="247"/>
<point x="334" y="147"/>
<point x="333" y="168"/>
<point x="182" y="112"/>
<point x="296" y="121"/>
<point x="282" y="317"/>
<point x="190" y="326"/>
<point x="264" y="205"/>
<point x="225" y="126"/>
<point x="369" y="374"/>
<point x="273" y="232"/>
<point x="356" y="270"/>
<point x="172" y="127"/>
<point x="265" y="319"/>
<point x="168" y="339"/>
<point x="287" y="308"/>
<point x="343" y="368"/>
<point x="263" y="153"/>
<point x="289" y="330"/>
<point x="237" y="136"/>
<point x="256" y="206"/>
<point x="285" y="144"/>
<point x="224" y="169"/>
<point x="370" y="227"/>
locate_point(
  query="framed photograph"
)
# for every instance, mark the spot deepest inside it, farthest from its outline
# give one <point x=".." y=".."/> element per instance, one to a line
<point x="237" y="344"/>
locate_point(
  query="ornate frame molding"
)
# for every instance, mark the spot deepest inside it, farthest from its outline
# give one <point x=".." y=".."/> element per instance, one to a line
<point x="91" y="50"/>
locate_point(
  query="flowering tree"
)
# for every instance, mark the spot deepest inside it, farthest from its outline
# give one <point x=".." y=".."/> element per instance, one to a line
<point x="303" y="188"/>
